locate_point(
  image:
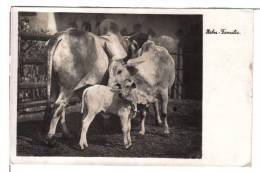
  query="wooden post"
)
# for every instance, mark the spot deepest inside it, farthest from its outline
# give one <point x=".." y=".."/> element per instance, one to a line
<point x="177" y="88"/>
<point x="180" y="74"/>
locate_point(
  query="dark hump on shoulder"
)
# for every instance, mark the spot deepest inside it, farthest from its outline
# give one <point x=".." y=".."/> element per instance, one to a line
<point x="76" y="34"/>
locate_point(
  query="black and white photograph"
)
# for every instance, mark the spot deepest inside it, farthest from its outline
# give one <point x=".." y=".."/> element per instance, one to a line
<point x="109" y="85"/>
<point x="131" y="86"/>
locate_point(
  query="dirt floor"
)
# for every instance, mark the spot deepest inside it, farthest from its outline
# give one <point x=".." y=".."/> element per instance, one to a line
<point x="184" y="140"/>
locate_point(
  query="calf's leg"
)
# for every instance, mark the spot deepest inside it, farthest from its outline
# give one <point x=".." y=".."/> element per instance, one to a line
<point x="128" y="133"/>
<point x="143" y="116"/>
<point x="85" y="125"/>
<point x="64" y="126"/>
<point x="124" y="118"/>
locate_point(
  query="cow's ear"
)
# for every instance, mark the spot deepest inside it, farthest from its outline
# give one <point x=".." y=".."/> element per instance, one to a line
<point x="135" y="62"/>
<point x="133" y="85"/>
<point x="124" y="61"/>
<point x="132" y="70"/>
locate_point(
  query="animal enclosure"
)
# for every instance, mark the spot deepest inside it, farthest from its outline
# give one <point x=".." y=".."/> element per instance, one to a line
<point x="184" y="107"/>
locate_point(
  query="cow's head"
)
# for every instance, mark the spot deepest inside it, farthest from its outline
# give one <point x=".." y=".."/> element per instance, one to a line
<point x="133" y="44"/>
<point x="130" y="46"/>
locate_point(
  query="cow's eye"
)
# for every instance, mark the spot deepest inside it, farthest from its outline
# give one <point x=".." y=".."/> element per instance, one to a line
<point x="119" y="72"/>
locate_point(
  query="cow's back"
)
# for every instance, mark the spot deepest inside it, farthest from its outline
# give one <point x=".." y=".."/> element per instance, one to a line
<point x="157" y="70"/>
<point x="79" y="60"/>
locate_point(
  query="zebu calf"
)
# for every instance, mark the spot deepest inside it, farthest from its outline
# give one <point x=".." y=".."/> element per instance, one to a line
<point x="99" y="98"/>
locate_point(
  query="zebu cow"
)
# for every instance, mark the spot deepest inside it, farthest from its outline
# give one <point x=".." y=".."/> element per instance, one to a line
<point x="153" y="73"/>
<point x="78" y="59"/>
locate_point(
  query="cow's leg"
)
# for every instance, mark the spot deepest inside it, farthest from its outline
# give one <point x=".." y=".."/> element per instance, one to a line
<point x="128" y="134"/>
<point x="158" y="120"/>
<point x="143" y="116"/>
<point x="61" y="104"/>
<point x="64" y="126"/>
<point x="124" y="123"/>
<point x="85" y="125"/>
<point x="164" y="95"/>
<point x="54" y="121"/>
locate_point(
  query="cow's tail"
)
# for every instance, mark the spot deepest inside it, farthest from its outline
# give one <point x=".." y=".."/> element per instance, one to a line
<point x="52" y="45"/>
<point x="172" y="80"/>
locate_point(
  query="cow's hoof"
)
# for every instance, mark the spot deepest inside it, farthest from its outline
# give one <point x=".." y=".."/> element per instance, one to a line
<point x="83" y="146"/>
<point x="128" y="146"/>
<point x="166" y="133"/>
<point x="141" y="133"/>
<point x="158" y="123"/>
<point x="50" y="141"/>
<point x="76" y="147"/>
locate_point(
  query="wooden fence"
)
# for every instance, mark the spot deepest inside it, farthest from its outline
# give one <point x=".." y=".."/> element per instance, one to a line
<point x="177" y="88"/>
<point x="32" y="76"/>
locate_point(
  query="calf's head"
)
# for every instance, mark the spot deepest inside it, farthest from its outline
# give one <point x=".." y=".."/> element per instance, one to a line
<point x="126" y="88"/>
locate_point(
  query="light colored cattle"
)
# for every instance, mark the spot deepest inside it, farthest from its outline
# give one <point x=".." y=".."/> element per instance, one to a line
<point x="99" y="98"/>
<point x="77" y="59"/>
<point x="153" y="73"/>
